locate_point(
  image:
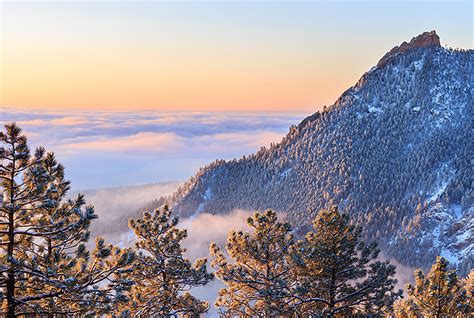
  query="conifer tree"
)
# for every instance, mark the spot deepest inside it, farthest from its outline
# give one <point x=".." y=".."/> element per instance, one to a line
<point x="438" y="294"/>
<point x="339" y="274"/>
<point x="45" y="268"/>
<point x="162" y="275"/>
<point x="23" y="186"/>
<point x="259" y="280"/>
<point x="469" y="288"/>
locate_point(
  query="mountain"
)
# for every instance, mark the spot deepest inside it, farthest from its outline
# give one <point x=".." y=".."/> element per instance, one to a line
<point x="395" y="151"/>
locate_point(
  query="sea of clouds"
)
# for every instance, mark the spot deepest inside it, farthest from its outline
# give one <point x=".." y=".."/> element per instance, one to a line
<point x="101" y="149"/>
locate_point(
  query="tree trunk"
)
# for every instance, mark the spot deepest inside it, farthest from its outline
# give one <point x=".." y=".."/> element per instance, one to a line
<point x="332" y="290"/>
<point x="267" y="298"/>
<point x="48" y="262"/>
<point x="11" y="269"/>
<point x="11" y="243"/>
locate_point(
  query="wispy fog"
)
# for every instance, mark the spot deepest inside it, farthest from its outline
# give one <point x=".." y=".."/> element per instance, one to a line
<point x="205" y="228"/>
<point x="101" y="149"/>
<point x="202" y="229"/>
<point x="404" y="274"/>
<point x="114" y="206"/>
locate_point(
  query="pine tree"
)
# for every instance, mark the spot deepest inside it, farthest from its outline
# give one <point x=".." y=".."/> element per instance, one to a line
<point x="61" y="227"/>
<point x="162" y="275"/>
<point x="438" y="294"/>
<point x="339" y="273"/>
<point x="45" y="267"/>
<point x="469" y="288"/>
<point x="23" y="186"/>
<point x="259" y="280"/>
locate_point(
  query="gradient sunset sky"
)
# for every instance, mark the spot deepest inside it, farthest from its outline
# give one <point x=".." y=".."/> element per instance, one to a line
<point x="205" y="56"/>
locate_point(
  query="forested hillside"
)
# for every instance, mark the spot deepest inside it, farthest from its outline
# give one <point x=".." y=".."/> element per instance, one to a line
<point x="395" y="151"/>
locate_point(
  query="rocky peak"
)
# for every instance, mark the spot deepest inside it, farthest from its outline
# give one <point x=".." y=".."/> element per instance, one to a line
<point x="425" y="39"/>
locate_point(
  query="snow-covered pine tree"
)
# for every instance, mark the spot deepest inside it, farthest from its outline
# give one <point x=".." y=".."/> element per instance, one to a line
<point x="438" y="294"/>
<point x="259" y="280"/>
<point x="469" y="288"/>
<point x="70" y="275"/>
<point x="162" y="275"/>
<point x="45" y="268"/>
<point x="24" y="187"/>
<point x="339" y="274"/>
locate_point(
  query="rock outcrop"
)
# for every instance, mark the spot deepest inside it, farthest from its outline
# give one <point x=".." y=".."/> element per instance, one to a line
<point x="425" y="39"/>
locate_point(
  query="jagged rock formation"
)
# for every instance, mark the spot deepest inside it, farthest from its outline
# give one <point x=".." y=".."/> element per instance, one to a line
<point x="395" y="151"/>
<point x="425" y="39"/>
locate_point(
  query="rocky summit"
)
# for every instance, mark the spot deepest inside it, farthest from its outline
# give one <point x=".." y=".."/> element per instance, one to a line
<point x="425" y="39"/>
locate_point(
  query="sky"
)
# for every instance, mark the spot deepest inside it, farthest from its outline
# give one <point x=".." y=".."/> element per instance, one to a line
<point x="205" y="56"/>
<point x="128" y="93"/>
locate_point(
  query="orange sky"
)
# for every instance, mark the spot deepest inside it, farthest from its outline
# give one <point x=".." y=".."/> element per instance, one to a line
<point x="208" y="56"/>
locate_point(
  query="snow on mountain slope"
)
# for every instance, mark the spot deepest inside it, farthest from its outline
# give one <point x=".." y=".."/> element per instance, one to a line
<point x="395" y="151"/>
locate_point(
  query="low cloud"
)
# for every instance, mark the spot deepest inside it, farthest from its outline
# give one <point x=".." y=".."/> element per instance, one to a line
<point x="115" y="206"/>
<point x="404" y="274"/>
<point x="206" y="228"/>
<point x="126" y="148"/>
<point x="202" y="230"/>
<point x="141" y="142"/>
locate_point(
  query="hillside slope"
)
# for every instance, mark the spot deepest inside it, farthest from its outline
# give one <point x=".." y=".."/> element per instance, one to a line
<point x="395" y="151"/>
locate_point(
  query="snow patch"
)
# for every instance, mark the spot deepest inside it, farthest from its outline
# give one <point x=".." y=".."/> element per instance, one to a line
<point x="285" y="173"/>
<point x="457" y="211"/>
<point x="372" y="69"/>
<point x="449" y="256"/>
<point x="418" y="64"/>
<point x="372" y="109"/>
<point x="206" y="197"/>
<point x="444" y="175"/>
<point x="438" y="192"/>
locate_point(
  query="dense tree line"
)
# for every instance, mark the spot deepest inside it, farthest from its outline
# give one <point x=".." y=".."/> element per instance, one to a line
<point x="46" y="270"/>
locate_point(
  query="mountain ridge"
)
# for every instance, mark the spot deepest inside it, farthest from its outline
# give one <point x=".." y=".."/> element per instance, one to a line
<point x="393" y="151"/>
<point x="426" y="39"/>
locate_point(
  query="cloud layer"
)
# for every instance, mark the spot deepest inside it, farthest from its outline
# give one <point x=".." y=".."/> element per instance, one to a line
<point x="124" y="148"/>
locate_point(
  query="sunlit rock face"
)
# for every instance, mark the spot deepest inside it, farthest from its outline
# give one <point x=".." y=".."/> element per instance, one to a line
<point x="425" y="39"/>
<point x="394" y="151"/>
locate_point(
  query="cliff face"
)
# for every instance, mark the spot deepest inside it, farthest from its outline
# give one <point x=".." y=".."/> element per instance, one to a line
<point x="394" y="152"/>
<point x="425" y="39"/>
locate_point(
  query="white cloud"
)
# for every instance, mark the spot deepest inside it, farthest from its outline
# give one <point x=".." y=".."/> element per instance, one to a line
<point x="122" y="148"/>
<point x="206" y="228"/>
<point x="140" y="142"/>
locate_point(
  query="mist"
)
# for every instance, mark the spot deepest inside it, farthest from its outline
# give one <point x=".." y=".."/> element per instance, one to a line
<point x="404" y="274"/>
<point x="202" y="229"/>
<point x="206" y="228"/>
<point x="115" y="206"/>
